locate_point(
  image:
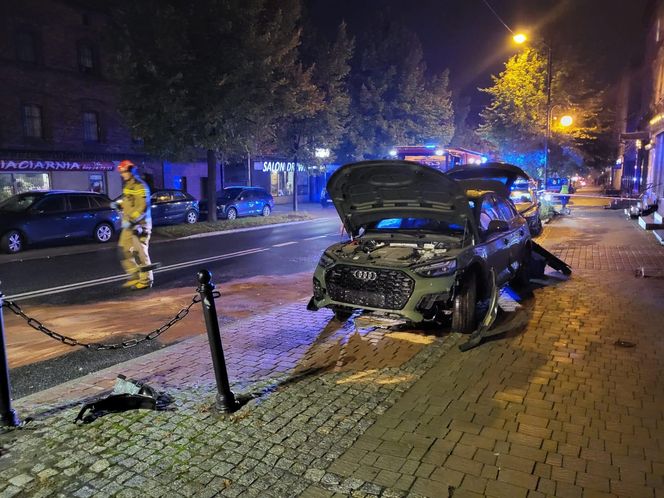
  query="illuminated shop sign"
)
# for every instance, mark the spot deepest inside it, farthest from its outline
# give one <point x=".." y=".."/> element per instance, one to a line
<point x="277" y="166"/>
<point x="8" y="165"/>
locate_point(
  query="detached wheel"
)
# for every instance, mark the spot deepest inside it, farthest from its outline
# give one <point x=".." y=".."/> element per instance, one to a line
<point x="231" y="214"/>
<point x="191" y="217"/>
<point x="266" y="210"/>
<point x="464" y="316"/>
<point x="12" y="242"/>
<point x="103" y="233"/>
<point x="342" y="314"/>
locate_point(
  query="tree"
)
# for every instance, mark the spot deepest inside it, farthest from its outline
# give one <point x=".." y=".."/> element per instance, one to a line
<point x="323" y="114"/>
<point x="210" y="75"/>
<point x="515" y="120"/>
<point x="393" y="99"/>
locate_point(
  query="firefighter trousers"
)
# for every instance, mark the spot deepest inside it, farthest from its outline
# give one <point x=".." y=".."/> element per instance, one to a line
<point x="134" y="251"/>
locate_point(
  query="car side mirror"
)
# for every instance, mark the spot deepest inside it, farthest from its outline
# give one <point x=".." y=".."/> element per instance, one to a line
<point x="498" y="226"/>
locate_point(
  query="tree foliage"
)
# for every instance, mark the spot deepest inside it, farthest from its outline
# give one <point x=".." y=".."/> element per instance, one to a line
<point x="208" y="75"/>
<point x="515" y="119"/>
<point x="324" y="120"/>
<point x="393" y="99"/>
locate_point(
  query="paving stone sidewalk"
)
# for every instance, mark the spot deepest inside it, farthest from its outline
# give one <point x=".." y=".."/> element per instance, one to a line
<point x="555" y="409"/>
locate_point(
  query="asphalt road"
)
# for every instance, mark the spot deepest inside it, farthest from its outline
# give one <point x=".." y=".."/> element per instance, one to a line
<point x="75" y="276"/>
<point x="87" y="273"/>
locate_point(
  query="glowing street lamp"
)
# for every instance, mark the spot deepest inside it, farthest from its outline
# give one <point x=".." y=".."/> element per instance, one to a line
<point x="322" y="153"/>
<point x="519" y="38"/>
<point x="566" y="121"/>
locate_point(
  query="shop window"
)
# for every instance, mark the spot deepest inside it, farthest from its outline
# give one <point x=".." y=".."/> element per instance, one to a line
<point x="86" y="58"/>
<point x="30" y="181"/>
<point x="97" y="183"/>
<point x="6" y="186"/>
<point x="90" y="127"/>
<point x="32" y="121"/>
<point x="26" y="47"/>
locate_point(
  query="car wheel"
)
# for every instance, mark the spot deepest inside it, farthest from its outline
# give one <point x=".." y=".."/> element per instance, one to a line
<point x="231" y="214"/>
<point x="191" y="217"/>
<point x="103" y="233"/>
<point x="12" y="242"/>
<point x="266" y="210"/>
<point x="342" y="314"/>
<point x="464" y="314"/>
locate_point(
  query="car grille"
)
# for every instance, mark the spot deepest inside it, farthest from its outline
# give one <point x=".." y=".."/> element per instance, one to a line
<point x="375" y="288"/>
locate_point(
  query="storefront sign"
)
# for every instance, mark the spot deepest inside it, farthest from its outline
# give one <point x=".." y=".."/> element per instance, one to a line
<point x="277" y="166"/>
<point x="6" y="165"/>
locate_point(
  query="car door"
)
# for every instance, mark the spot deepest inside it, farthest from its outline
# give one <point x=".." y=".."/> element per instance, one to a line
<point x="81" y="218"/>
<point x="159" y="207"/>
<point x="243" y="203"/>
<point x="517" y="234"/>
<point x="49" y="219"/>
<point x="496" y="243"/>
<point x="178" y="207"/>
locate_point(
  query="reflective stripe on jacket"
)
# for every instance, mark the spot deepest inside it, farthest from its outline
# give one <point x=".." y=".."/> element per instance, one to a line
<point x="136" y="202"/>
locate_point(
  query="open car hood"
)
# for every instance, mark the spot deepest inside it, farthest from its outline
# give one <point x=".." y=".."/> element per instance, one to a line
<point x="507" y="174"/>
<point x="369" y="191"/>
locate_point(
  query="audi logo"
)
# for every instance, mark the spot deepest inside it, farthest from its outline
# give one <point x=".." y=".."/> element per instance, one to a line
<point x="366" y="275"/>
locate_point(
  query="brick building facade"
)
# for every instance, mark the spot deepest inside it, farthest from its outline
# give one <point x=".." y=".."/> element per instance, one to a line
<point x="60" y="126"/>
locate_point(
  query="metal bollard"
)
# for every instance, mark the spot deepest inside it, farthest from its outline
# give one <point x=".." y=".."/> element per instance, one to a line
<point x="8" y="416"/>
<point x="225" y="401"/>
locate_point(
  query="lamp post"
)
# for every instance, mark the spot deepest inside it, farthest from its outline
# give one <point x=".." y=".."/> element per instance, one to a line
<point x="521" y="38"/>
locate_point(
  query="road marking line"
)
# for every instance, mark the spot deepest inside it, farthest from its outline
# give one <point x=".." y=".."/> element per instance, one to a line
<point x="118" y="278"/>
<point x="317" y="237"/>
<point x="284" y="244"/>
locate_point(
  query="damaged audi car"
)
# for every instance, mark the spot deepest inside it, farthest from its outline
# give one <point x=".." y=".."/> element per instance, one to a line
<point x="422" y="245"/>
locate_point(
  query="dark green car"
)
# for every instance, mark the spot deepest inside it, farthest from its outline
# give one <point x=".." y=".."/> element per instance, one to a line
<point x="422" y="245"/>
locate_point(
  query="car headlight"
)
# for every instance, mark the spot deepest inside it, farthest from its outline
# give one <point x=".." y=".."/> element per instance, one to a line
<point x="325" y="261"/>
<point x="438" y="269"/>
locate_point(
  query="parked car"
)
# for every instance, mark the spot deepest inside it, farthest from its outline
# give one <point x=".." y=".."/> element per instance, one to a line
<point x="171" y="206"/>
<point x="55" y="216"/>
<point x="233" y="202"/>
<point x="422" y="245"/>
<point x="522" y="188"/>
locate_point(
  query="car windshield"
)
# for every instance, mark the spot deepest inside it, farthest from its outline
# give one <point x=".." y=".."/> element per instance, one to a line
<point x="229" y="193"/>
<point x="20" y="202"/>
<point x="416" y="225"/>
<point x="521" y="196"/>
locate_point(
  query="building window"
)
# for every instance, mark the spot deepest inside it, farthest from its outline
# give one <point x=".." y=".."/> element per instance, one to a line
<point x="86" y="58"/>
<point x="90" y="127"/>
<point x="32" y="121"/>
<point x="26" y="47"/>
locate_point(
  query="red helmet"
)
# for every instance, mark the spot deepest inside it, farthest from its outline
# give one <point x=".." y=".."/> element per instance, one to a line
<point x="125" y="166"/>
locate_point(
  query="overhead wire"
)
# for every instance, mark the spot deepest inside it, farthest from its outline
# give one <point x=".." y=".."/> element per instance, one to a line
<point x="497" y="16"/>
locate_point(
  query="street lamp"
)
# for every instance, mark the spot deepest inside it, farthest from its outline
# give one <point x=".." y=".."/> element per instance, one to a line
<point x="566" y="121"/>
<point x="521" y="38"/>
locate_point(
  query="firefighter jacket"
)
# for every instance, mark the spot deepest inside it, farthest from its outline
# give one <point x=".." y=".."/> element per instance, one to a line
<point x="136" y="203"/>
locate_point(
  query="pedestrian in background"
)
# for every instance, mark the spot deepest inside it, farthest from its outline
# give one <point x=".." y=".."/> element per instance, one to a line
<point x="564" y="189"/>
<point x="136" y="228"/>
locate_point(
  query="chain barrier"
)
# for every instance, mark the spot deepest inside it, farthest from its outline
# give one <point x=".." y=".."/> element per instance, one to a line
<point x="96" y="346"/>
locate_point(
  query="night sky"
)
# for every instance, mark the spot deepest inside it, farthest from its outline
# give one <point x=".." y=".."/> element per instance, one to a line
<point x="466" y="37"/>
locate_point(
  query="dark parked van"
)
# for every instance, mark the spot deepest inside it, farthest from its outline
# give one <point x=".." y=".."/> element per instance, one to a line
<point x="55" y="216"/>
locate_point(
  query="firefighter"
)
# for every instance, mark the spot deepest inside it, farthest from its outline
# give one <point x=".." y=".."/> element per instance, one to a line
<point x="136" y="228"/>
